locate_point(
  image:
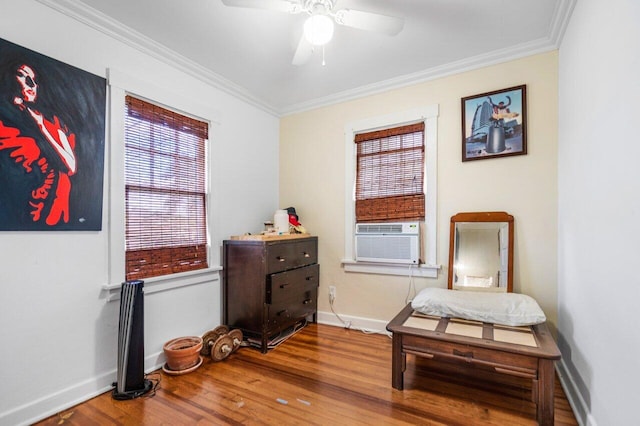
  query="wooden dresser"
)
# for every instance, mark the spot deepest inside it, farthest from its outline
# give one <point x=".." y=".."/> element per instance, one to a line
<point x="270" y="285"/>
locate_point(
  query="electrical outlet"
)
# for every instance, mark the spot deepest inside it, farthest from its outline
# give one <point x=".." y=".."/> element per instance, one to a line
<point x="332" y="293"/>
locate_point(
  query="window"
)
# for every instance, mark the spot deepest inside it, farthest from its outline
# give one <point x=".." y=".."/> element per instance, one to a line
<point x="165" y="191"/>
<point x="390" y="174"/>
<point x="420" y="202"/>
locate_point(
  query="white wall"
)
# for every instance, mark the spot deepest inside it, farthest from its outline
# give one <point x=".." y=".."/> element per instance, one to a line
<point x="599" y="210"/>
<point x="58" y="331"/>
<point x="312" y="178"/>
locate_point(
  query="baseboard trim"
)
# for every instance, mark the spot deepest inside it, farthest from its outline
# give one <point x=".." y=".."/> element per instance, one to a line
<point x="577" y="403"/>
<point x="64" y="399"/>
<point x="366" y="325"/>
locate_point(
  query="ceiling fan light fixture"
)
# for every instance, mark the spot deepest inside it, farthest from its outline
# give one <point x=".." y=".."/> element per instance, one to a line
<point x="318" y="29"/>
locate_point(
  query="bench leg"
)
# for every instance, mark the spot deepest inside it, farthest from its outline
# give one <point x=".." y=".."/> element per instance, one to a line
<point x="398" y="363"/>
<point x="545" y="386"/>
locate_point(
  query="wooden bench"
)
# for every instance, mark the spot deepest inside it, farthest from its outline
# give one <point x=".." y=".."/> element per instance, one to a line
<point x="528" y="352"/>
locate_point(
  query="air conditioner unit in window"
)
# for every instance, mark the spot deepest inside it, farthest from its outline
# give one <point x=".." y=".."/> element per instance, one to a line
<point x="388" y="242"/>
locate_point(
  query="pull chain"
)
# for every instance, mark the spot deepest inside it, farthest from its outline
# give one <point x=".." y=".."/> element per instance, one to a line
<point x="323" y="62"/>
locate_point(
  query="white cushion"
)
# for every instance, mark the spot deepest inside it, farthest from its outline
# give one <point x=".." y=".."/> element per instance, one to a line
<point x="499" y="308"/>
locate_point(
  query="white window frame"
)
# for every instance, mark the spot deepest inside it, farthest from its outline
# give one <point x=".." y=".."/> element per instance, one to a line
<point x="428" y="115"/>
<point x="121" y="84"/>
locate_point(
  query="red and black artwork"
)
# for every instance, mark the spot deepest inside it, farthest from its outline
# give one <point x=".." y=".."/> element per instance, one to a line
<point x="52" y="141"/>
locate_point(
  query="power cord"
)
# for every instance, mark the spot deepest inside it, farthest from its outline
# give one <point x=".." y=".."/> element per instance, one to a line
<point x="148" y="390"/>
<point x="412" y="286"/>
<point x="155" y="379"/>
<point x="348" y="324"/>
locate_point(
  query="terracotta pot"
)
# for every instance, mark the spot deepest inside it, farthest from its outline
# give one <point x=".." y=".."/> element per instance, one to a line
<point x="183" y="352"/>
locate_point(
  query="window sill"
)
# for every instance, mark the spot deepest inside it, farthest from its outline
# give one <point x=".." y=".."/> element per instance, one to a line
<point x="423" y="270"/>
<point x="168" y="282"/>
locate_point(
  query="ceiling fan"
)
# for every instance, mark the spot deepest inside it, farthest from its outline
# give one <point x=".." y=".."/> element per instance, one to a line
<point x="318" y="28"/>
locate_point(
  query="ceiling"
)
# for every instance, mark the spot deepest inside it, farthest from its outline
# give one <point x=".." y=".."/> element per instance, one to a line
<point x="248" y="52"/>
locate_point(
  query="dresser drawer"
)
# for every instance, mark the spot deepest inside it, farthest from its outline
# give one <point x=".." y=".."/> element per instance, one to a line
<point x="290" y="255"/>
<point x="500" y="361"/>
<point x="290" y="285"/>
<point x="289" y="311"/>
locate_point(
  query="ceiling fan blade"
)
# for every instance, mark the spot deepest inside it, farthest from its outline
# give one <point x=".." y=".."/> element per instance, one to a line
<point x="277" y="5"/>
<point x="303" y="52"/>
<point x="368" y="21"/>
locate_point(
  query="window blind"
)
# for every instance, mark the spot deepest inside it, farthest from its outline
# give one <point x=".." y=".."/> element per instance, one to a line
<point x="165" y="191"/>
<point x="390" y="174"/>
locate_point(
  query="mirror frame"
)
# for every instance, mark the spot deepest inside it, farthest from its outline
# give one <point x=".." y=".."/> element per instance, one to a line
<point x="482" y="217"/>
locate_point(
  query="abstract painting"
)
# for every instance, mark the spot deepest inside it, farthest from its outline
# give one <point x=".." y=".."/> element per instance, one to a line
<point x="52" y="142"/>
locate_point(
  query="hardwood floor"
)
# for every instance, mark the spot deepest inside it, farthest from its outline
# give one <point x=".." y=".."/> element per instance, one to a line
<point x="323" y="375"/>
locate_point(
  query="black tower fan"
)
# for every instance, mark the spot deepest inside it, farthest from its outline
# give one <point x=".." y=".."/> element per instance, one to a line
<point x="131" y="382"/>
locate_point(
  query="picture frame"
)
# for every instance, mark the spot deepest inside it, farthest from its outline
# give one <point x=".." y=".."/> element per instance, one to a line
<point x="494" y="124"/>
<point x="52" y="143"/>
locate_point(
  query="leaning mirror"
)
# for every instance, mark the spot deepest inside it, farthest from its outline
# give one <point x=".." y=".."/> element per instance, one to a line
<point x="481" y="251"/>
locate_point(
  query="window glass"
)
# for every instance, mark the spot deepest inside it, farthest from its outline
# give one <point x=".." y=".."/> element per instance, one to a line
<point x="390" y="174"/>
<point x="165" y="191"/>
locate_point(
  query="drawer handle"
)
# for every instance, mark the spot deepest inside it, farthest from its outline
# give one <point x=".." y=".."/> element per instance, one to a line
<point x="463" y="354"/>
<point x="284" y="285"/>
<point x="282" y="312"/>
<point x="419" y="352"/>
<point x="309" y="278"/>
<point x="280" y="259"/>
<point x="306" y="302"/>
<point x="305" y="254"/>
<point x="515" y="373"/>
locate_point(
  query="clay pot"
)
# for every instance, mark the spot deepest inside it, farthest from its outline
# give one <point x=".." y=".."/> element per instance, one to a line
<point x="183" y="352"/>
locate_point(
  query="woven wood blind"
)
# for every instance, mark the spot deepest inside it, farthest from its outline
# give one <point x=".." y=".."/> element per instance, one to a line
<point x="165" y="191"/>
<point x="390" y="174"/>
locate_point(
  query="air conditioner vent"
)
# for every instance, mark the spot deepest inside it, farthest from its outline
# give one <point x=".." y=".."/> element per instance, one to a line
<point x="379" y="228"/>
<point x="388" y="242"/>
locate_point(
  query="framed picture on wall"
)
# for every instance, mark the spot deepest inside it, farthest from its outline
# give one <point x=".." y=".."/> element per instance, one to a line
<point x="494" y="124"/>
<point x="52" y="142"/>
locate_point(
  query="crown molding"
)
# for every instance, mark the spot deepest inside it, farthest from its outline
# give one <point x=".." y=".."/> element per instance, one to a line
<point x="87" y="15"/>
<point x="95" y="19"/>
<point x="452" y="68"/>
<point x="562" y="13"/>
<point x="561" y="16"/>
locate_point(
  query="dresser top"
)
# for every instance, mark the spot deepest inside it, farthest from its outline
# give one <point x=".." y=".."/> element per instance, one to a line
<point x="268" y="237"/>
